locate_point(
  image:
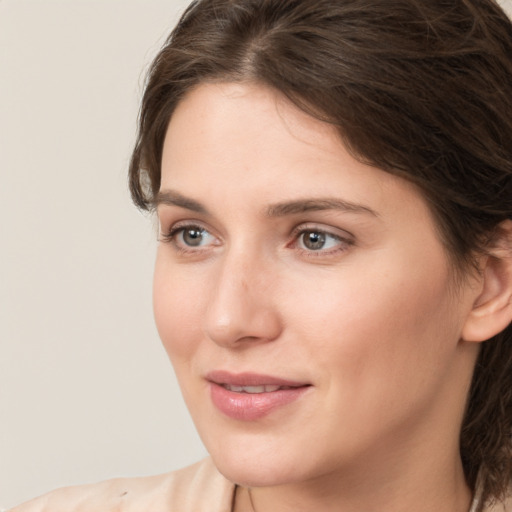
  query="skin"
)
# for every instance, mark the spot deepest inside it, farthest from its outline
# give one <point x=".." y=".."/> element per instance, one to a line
<point x="372" y="321"/>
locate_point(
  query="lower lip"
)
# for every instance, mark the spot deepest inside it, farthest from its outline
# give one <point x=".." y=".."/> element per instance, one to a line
<point x="252" y="406"/>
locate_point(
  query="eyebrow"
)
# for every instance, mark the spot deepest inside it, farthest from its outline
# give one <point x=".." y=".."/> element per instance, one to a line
<point x="173" y="198"/>
<point x="312" y="205"/>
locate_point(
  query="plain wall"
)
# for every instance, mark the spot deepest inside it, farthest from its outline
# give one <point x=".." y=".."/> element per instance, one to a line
<point x="86" y="391"/>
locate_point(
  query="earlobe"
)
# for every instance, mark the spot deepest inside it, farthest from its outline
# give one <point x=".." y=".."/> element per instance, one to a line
<point x="492" y="309"/>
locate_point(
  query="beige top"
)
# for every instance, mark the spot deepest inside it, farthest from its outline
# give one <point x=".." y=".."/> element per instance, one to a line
<point x="197" y="488"/>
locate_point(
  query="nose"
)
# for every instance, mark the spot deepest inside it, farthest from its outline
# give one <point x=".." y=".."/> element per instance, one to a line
<point x="241" y="307"/>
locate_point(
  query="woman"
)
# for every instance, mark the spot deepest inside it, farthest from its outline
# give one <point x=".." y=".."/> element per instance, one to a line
<point x="333" y="284"/>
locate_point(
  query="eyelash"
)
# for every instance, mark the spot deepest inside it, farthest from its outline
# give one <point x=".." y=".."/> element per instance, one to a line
<point x="342" y="243"/>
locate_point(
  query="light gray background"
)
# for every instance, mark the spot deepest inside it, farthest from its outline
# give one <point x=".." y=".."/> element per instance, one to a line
<point x="86" y="391"/>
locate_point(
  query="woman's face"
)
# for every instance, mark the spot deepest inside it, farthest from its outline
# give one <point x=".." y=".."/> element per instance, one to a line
<point x="304" y="298"/>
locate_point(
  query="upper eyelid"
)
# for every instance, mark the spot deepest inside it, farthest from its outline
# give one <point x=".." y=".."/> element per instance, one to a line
<point x="322" y="228"/>
<point x="168" y="227"/>
<point x="171" y="214"/>
<point x="188" y="224"/>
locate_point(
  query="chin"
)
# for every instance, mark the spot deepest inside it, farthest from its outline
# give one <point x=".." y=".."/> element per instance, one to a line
<point x="253" y="468"/>
<point x="255" y="475"/>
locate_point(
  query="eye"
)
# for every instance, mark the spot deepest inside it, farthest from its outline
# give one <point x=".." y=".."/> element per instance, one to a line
<point x="316" y="240"/>
<point x="193" y="236"/>
<point x="190" y="237"/>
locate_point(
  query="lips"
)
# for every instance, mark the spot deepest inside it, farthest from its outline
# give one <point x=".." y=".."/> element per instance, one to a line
<point x="250" y="396"/>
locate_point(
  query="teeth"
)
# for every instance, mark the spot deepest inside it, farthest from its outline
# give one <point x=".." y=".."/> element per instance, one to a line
<point x="253" y="389"/>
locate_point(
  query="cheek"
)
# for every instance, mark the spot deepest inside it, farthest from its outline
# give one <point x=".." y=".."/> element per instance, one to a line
<point x="381" y="323"/>
<point x="177" y="310"/>
<point x="383" y="352"/>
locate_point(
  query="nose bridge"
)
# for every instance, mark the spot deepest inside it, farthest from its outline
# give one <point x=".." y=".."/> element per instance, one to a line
<point x="240" y="307"/>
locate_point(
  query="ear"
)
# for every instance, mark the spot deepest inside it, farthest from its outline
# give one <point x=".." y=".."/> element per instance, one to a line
<point x="492" y="309"/>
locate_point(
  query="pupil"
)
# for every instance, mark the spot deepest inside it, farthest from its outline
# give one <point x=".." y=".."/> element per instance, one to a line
<point x="193" y="237"/>
<point x="314" y="240"/>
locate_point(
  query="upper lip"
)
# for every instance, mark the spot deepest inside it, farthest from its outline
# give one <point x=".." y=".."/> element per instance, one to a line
<point x="223" y="377"/>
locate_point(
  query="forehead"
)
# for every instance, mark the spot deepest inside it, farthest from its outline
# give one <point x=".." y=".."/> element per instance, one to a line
<point x="229" y="139"/>
<point x="247" y="117"/>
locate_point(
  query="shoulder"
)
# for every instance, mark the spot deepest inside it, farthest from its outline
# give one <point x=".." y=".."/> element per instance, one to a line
<point x="197" y="488"/>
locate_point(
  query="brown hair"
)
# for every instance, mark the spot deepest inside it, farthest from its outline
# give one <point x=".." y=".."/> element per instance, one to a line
<point x="418" y="88"/>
